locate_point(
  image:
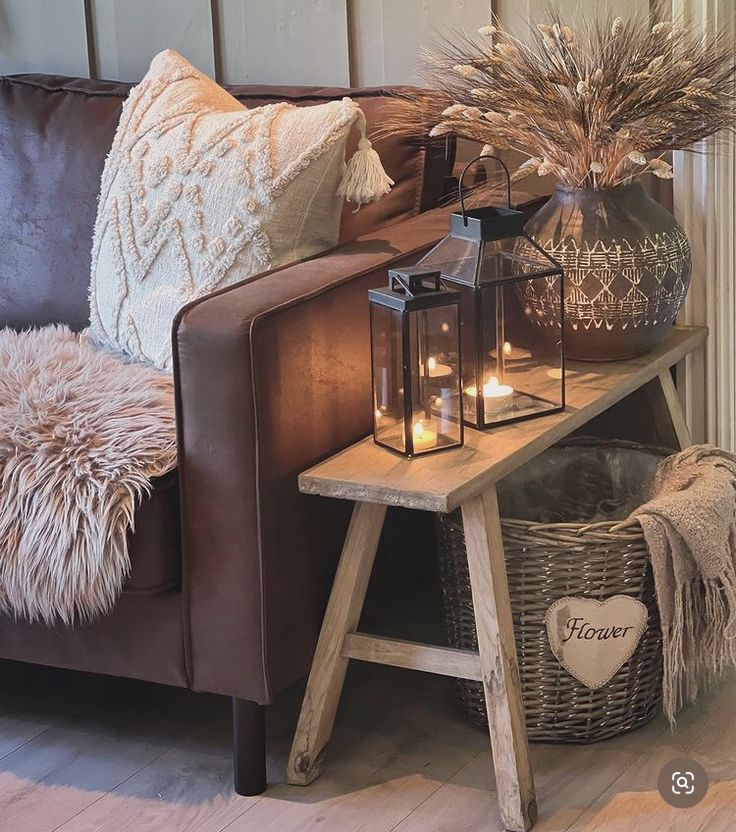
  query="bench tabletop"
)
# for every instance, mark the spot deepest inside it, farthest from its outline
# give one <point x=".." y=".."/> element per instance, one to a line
<point x="443" y="481"/>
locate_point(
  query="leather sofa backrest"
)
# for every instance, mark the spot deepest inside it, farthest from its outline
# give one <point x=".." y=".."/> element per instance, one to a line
<point x="55" y="133"/>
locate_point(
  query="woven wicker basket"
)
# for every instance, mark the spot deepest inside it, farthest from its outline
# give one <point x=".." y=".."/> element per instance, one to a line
<point x="563" y="541"/>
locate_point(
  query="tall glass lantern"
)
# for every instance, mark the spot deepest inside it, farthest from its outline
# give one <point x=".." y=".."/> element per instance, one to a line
<point x="512" y="347"/>
<point x="415" y="349"/>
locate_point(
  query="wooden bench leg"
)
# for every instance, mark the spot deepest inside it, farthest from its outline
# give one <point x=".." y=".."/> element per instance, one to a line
<point x="329" y="666"/>
<point x="499" y="666"/>
<point x="668" y="413"/>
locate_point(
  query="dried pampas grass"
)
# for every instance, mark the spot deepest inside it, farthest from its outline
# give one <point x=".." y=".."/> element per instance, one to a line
<point x="596" y="104"/>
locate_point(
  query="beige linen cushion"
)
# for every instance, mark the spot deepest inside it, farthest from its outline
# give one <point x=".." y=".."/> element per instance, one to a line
<point x="199" y="192"/>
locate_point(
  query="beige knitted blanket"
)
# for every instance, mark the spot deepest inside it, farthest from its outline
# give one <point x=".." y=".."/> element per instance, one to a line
<point x="690" y="530"/>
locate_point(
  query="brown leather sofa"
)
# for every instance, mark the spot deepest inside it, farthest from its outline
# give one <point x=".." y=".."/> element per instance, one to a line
<point x="230" y="564"/>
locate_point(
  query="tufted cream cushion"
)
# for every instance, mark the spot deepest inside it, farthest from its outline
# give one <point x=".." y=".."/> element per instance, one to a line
<point x="199" y="192"/>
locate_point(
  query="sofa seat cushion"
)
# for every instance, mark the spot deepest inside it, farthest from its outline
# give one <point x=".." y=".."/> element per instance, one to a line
<point x="154" y="545"/>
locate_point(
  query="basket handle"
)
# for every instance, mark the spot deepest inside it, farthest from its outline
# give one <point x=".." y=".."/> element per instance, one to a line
<point x="461" y="187"/>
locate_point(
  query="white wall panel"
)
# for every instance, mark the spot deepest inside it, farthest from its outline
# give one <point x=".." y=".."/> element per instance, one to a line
<point x="517" y="14"/>
<point x="256" y="41"/>
<point x="128" y="33"/>
<point x="386" y="35"/>
<point x="284" y="41"/>
<point x="43" y="36"/>
<point x="704" y="197"/>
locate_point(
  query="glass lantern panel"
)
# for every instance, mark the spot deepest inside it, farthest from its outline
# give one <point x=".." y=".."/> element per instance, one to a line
<point x="471" y="344"/>
<point x="435" y="367"/>
<point x="501" y="259"/>
<point x="388" y="378"/>
<point x="454" y="257"/>
<point x="522" y="348"/>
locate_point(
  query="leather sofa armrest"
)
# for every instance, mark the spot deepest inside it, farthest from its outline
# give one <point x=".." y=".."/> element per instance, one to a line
<point x="272" y="375"/>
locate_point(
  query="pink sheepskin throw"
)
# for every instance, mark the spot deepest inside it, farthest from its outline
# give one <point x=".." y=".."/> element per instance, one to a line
<point x="82" y="433"/>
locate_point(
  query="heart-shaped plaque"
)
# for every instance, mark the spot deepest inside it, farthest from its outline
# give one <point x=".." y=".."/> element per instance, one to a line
<point x="593" y="639"/>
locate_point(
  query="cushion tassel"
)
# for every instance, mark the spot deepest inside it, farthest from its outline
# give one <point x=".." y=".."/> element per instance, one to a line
<point x="364" y="179"/>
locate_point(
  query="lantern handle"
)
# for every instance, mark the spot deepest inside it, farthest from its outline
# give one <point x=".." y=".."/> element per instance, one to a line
<point x="465" y="170"/>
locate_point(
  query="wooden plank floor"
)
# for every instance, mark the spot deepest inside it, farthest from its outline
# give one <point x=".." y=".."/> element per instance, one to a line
<point x="88" y="754"/>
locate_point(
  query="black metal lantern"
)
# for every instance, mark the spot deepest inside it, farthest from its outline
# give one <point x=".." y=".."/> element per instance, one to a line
<point x="415" y="359"/>
<point x="512" y="347"/>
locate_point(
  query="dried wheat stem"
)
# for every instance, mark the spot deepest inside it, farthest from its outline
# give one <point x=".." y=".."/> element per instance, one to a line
<point x="596" y="104"/>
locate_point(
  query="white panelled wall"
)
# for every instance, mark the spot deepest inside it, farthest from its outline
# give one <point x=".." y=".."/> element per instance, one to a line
<point x="374" y="42"/>
<point x="330" y="42"/>
<point x="704" y="202"/>
<point x="124" y="36"/>
<point x="44" y="36"/>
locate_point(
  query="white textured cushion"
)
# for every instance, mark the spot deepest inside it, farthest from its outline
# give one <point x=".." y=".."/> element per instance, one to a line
<point x="199" y="192"/>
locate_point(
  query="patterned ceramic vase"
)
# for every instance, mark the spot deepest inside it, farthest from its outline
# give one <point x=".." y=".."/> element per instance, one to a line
<point x="627" y="269"/>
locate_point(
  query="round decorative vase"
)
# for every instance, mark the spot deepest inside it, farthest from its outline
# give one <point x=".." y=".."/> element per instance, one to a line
<point x="627" y="269"/>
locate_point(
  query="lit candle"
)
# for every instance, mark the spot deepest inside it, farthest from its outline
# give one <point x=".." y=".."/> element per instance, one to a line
<point x="384" y="418"/>
<point x="425" y="435"/>
<point x="496" y="397"/>
<point x="513" y="354"/>
<point x="435" y="369"/>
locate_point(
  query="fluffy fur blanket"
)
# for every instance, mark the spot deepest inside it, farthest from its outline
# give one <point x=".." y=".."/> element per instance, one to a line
<point x="82" y="432"/>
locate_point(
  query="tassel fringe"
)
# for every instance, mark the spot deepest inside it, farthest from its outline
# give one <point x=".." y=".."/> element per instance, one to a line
<point x="700" y="645"/>
<point x="364" y="179"/>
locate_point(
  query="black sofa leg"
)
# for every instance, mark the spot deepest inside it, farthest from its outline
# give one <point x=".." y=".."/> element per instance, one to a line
<point x="249" y="747"/>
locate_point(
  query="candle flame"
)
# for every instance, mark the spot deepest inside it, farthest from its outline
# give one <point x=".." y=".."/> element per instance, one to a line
<point x="492" y="387"/>
<point x="507" y="348"/>
<point x="418" y="430"/>
<point x="432" y="362"/>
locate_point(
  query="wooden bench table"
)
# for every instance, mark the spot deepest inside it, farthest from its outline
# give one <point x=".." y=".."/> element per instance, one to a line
<point x="466" y="477"/>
